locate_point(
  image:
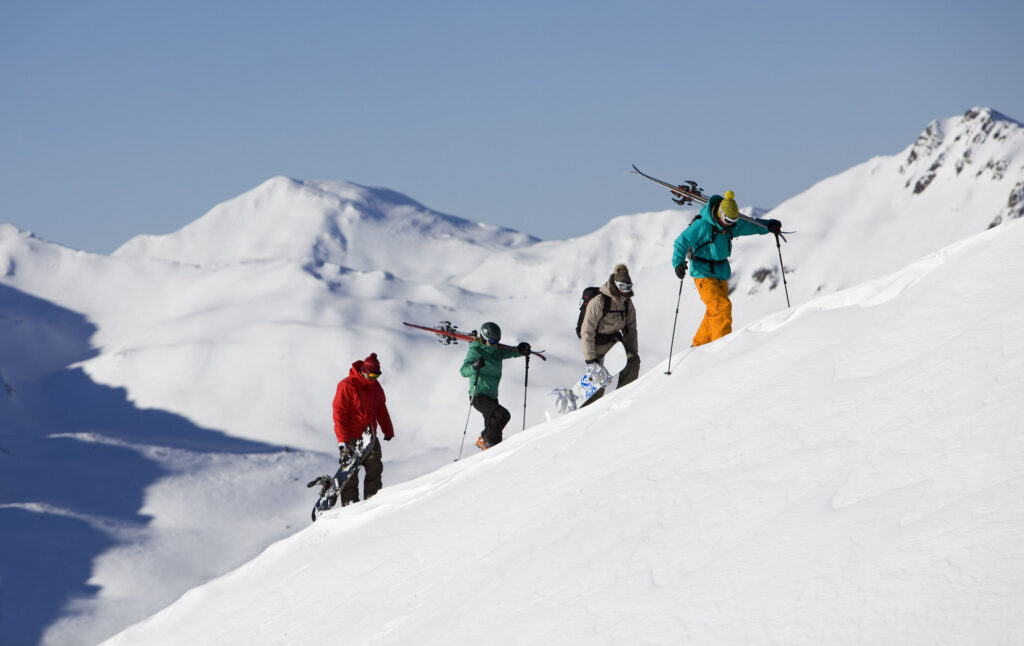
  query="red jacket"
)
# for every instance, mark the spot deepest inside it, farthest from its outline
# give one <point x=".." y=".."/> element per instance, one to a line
<point x="358" y="403"/>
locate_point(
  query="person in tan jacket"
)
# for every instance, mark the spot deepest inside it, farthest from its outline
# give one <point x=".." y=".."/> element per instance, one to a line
<point x="610" y="318"/>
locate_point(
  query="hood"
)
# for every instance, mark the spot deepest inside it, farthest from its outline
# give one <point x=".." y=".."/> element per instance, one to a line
<point x="356" y="371"/>
<point x="610" y="290"/>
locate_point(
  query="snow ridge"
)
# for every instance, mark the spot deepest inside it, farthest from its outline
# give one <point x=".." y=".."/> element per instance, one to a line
<point x="319" y="222"/>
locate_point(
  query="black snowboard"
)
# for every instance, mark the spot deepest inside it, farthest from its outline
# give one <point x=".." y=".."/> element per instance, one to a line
<point x="330" y="488"/>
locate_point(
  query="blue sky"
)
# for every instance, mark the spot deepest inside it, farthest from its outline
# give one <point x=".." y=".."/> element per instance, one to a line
<point x="124" y="117"/>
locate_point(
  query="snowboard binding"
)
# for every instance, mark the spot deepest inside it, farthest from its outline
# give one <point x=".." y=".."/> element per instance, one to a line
<point x="328" y="494"/>
<point x="565" y="400"/>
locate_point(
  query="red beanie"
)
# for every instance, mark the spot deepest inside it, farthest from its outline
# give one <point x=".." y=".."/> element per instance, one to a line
<point x="370" y="363"/>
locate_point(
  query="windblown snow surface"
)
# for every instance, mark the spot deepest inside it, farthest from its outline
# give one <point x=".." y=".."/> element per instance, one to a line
<point x="847" y="470"/>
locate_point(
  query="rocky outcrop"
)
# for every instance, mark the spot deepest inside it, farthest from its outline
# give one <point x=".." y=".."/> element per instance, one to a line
<point x="974" y="144"/>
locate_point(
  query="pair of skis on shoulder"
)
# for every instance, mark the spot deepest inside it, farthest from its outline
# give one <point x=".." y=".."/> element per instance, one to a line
<point x="567" y="399"/>
<point x="689" y="193"/>
<point x="449" y="334"/>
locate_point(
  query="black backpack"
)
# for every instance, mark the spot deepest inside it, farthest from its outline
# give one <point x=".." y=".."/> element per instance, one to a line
<point x="588" y="294"/>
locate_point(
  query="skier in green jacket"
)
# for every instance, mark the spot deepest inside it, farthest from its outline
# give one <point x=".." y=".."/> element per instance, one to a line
<point x="482" y="367"/>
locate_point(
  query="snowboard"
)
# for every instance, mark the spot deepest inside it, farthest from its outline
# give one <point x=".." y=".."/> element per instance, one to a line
<point x="573" y="397"/>
<point x="330" y="488"/>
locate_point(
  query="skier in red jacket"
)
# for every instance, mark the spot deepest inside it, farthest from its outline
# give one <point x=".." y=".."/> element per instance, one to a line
<point x="359" y="403"/>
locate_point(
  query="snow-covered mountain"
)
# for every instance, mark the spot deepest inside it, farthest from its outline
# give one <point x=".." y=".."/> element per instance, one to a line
<point x="328" y="223"/>
<point x="963" y="175"/>
<point x="151" y="400"/>
<point x="847" y="472"/>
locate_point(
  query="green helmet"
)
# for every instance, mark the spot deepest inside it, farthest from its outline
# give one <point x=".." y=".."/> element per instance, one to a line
<point x="490" y="332"/>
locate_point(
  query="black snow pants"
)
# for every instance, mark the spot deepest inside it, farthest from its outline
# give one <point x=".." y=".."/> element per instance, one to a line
<point x="495" y="415"/>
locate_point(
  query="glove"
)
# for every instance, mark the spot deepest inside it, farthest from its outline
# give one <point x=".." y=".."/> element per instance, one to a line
<point x="478" y="364"/>
<point x="590" y="361"/>
<point x="345" y="453"/>
<point x="523" y="348"/>
<point x="774" y="226"/>
<point x="681" y="270"/>
<point x="388" y="438"/>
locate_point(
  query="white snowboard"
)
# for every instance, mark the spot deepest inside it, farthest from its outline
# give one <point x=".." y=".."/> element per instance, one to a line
<point x="573" y="397"/>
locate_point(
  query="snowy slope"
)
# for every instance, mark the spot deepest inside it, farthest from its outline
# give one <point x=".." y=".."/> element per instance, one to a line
<point x="851" y="471"/>
<point x="147" y="398"/>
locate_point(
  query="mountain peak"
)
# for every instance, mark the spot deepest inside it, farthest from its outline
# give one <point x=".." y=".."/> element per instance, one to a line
<point x="982" y="144"/>
<point x="318" y="221"/>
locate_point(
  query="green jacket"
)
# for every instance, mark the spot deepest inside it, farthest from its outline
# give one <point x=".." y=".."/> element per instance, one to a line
<point x="710" y="243"/>
<point x="490" y="374"/>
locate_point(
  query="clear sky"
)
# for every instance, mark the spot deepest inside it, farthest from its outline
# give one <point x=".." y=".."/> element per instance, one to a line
<point x="120" y="117"/>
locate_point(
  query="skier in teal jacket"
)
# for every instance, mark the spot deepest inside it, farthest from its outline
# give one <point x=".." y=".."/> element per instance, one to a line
<point x="707" y="245"/>
<point x="482" y="367"/>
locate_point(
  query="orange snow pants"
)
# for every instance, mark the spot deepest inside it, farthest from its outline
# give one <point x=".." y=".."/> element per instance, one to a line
<point x="718" y="310"/>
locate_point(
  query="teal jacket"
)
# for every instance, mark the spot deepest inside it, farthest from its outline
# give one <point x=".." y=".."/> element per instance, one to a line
<point x="490" y="374"/>
<point x="710" y="243"/>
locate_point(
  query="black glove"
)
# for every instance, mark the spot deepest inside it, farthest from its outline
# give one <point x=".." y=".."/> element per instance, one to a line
<point x="345" y="453"/>
<point x="523" y="348"/>
<point x="774" y="226"/>
<point x="590" y="361"/>
<point x="478" y="364"/>
<point x="681" y="270"/>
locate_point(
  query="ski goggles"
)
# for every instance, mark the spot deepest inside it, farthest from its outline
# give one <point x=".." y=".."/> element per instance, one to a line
<point x="625" y="288"/>
<point x="491" y="341"/>
<point x="371" y="375"/>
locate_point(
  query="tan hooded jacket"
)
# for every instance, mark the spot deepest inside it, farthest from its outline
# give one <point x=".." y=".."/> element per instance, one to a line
<point x="620" y="317"/>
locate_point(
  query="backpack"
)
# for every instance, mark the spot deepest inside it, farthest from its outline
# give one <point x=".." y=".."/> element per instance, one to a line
<point x="585" y="298"/>
<point x="714" y="234"/>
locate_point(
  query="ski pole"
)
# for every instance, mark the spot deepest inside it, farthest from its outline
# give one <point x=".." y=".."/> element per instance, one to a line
<point x="526" y="382"/>
<point x="674" y="321"/>
<point x="468" y="412"/>
<point x="782" y="266"/>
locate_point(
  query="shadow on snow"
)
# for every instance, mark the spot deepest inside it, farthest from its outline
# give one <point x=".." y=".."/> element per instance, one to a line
<point x="60" y="496"/>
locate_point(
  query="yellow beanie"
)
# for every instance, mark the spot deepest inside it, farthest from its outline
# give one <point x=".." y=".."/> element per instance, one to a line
<point x="728" y="210"/>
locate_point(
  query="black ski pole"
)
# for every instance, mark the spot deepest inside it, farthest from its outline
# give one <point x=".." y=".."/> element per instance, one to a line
<point x="526" y="383"/>
<point x="468" y="412"/>
<point x="674" y="321"/>
<point x="782" y="266"/>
